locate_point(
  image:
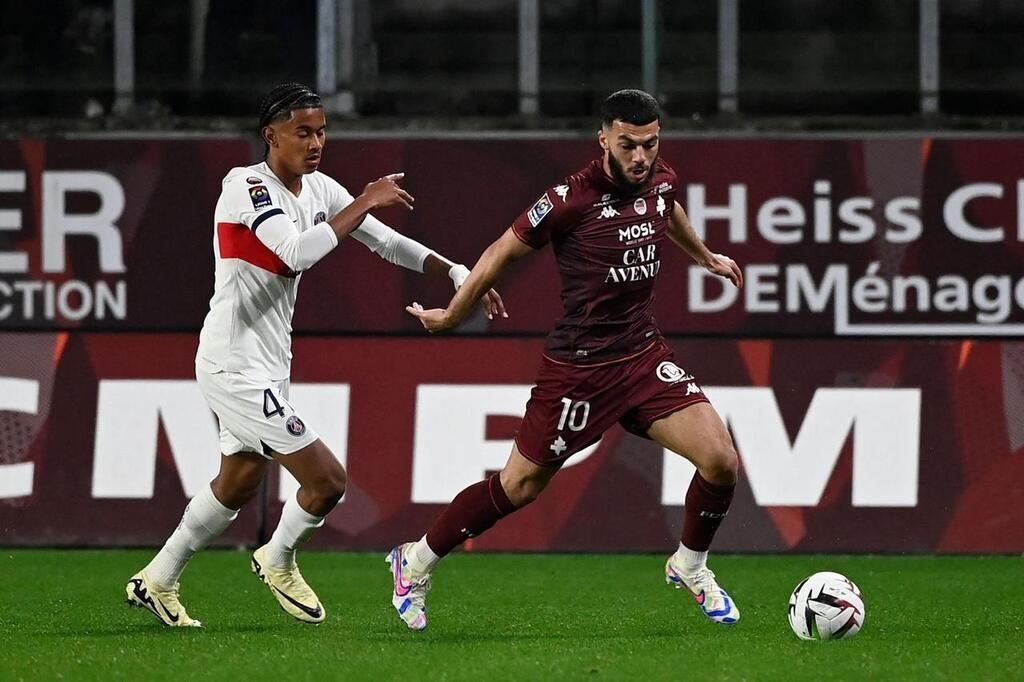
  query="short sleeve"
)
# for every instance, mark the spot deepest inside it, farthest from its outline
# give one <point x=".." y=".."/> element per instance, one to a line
<point x="250" y="200"/>
<point x="549" y="216"/>
<point x="335" y="196"/>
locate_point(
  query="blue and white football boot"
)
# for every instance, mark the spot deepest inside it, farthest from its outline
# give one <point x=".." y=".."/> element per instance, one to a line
<point x="714" y="602"/>
<point x="410" y="594"/>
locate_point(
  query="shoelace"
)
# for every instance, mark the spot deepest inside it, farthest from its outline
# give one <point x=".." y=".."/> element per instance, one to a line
<point x="704" y="579"/>
<point x="296" y="580"/>
<point x="419" y="590"/>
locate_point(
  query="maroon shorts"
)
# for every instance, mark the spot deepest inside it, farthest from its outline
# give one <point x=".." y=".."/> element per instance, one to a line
<point x="573" y="405"/>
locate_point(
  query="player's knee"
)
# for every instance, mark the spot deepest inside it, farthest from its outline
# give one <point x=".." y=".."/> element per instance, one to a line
<point x="722" y="464"/>
<point x="233" y="494"/>
<point x="523" y="491"/>
<point x="339" y="483"/>
<point x="331" y="487"/>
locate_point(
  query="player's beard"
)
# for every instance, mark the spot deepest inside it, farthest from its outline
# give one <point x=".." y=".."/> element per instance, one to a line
<point x="622" y="179"/>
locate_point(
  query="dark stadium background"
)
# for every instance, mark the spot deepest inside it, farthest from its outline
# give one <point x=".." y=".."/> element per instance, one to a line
<point x="118" y="119"/>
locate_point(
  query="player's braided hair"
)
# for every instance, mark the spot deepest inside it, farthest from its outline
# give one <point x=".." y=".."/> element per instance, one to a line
<point x="630" y="106"/>
<point x="277" y="105"/>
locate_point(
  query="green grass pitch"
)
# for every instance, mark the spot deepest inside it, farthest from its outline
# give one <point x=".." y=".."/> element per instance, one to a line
<point x="508" y="617"/>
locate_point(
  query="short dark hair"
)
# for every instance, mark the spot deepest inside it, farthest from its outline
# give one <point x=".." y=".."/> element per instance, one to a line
<point x="630" y="106"/>
<point x="277" y="105"/>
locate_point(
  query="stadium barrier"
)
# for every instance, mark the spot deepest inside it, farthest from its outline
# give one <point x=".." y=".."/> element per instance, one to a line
<point x="849" y="443"/>
<point x="861" y="446"/>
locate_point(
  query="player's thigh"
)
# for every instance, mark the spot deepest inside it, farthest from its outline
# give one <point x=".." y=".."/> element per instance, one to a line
<point x="254" y="414"/>
<point x="697" y="433"/>
<point x="570" y="408"/>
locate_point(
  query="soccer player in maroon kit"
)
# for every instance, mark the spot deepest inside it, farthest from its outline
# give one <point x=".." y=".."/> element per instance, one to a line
<point x="604" y="362"/>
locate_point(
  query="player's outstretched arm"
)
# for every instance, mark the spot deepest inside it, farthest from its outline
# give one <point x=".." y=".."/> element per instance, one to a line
<point x="485" y="273"/>
<point x="458" y="273"/>
<point x="681" y="232"/>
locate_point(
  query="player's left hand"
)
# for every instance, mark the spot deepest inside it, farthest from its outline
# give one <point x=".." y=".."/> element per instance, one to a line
<point x="723" y="266"/>
<point x="493" y="305"/>
<point x="434" y="320"/>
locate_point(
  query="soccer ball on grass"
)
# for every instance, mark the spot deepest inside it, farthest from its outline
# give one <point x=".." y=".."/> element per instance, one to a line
<point x="826" y="606"/>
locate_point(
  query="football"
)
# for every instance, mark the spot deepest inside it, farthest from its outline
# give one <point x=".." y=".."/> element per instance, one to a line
<point x="826" y="606"/>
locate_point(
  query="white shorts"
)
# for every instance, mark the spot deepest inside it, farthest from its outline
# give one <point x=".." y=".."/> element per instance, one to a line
<point x="254" y="414"/>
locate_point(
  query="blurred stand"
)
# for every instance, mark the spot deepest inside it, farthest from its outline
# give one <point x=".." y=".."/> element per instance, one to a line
<point x="507" y="64"/>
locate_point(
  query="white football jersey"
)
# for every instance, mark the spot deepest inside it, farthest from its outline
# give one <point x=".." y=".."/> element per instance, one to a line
<point x="248" y="328"/>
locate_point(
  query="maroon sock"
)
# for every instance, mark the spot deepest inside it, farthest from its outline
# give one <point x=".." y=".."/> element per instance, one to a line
<point x="706" y="507"/>
<point x="473" y="511"/>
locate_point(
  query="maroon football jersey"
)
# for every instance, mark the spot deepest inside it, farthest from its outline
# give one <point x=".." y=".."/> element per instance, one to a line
<point x="608" y="244"/>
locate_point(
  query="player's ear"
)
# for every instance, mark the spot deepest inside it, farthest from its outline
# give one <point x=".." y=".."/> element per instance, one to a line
<point x="269" y="136"/>
<point x="602" y="139"/>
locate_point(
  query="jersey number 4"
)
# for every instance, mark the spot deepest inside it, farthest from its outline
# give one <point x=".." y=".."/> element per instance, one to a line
<point x="270" y="404"/>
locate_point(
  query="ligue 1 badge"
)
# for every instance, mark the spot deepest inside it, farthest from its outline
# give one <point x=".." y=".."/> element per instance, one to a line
<point x="539" y="210"/>
<point x="260" y="196"/>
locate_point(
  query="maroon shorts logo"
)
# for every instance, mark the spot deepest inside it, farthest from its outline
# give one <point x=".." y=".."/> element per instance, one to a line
<point x="295" y="425"/>
<point x="670" y="372"/>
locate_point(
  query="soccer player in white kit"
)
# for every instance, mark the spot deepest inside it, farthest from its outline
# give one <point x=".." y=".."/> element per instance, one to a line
<point x="273" y="221"/>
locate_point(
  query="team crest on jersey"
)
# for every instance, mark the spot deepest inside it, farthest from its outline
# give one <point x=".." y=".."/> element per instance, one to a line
<point x="260" y="196"/>
<point x="320" y="217"/>
<point x="253" y="180"/>
<point x="295" y="425"/>
<point x="539" y="210"/>
<point x="640" y="206"/>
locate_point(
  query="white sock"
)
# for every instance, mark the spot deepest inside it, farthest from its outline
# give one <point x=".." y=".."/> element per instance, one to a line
<point x="204" y="519"/>
<point x="421" y="558"/>
<point x="295" y="527"/>
<point x="690" y="561"/>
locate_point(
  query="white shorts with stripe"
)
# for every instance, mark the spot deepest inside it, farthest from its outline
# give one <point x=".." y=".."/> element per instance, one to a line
<point x="254" y="414"/>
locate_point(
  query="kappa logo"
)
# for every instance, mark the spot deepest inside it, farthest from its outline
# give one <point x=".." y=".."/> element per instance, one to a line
<point x="608" y="212"/>
<point x="640" y="206"/>
<point x="692" y="388"/>
<point x="260" y="196"/>
<point x="660" y="206"/>
<point x="539" y="210"/>
<point x="562" y="191"/>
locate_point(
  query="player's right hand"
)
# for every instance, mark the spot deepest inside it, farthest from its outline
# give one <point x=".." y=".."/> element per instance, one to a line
<point x="386" y="192"/>
<point x="434" y="320"/>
